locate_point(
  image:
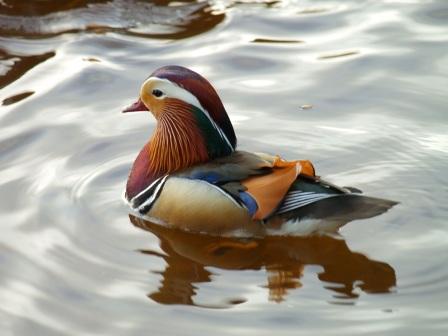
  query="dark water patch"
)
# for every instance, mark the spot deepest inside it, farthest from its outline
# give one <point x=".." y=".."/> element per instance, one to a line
<point x="91" y="59"/>
<point x="264" y="3"/>
<point x="16" y="98"/>
<point x="266" y="40"/>
<point x="203" y="20"/>
<point x="338" y="55"/>
<point x="309" y="11"/>
<point x="15" y="66"/>
<point x="37" y="8"/>
<point x="133" y="17"/>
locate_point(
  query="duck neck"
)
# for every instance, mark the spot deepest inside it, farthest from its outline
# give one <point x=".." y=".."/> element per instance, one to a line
<point x="177" y="142"/>
<point x="184" y="136"/>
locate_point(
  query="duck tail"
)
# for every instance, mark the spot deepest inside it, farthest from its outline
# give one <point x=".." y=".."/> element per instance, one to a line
<point x="343" y="208"/>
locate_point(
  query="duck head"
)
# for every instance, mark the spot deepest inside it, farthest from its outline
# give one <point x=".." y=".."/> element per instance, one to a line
<point x="192" y="124"/>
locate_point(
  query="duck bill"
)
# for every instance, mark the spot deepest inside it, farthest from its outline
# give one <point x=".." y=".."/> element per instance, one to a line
<point x="138" y="106"/>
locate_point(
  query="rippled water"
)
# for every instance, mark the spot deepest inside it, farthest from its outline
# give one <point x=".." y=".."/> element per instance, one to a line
<point x="74" y="262"/>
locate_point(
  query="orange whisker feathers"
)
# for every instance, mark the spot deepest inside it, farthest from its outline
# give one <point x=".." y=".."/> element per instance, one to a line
<point x="177" y="142"/>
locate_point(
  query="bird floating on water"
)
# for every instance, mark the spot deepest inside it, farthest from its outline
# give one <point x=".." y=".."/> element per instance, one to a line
<point x="191" y="176"/>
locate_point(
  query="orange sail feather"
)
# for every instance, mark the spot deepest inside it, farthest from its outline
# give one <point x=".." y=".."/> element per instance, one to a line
<point x="269" y="190"/>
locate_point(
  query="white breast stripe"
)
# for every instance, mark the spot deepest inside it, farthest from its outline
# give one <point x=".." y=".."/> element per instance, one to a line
<point x="145" y="190"/>
<point x="144" y="208"/>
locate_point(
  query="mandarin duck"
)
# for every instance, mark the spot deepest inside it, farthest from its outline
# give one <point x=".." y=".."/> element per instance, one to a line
<point x="190" y="175"/>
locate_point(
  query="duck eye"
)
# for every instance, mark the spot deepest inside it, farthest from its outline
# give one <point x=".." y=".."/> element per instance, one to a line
<point x="157" y="93"/>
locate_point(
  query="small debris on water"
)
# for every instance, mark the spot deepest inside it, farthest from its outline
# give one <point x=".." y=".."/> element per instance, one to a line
<point x="306" y="107"/>
<point x="91" y="59"/>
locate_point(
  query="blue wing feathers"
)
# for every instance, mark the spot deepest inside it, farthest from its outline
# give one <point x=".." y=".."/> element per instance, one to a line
<point x="249" y="202"/>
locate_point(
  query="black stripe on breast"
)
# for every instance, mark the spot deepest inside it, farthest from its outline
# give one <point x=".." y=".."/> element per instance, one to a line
<point x="147" y="194"/>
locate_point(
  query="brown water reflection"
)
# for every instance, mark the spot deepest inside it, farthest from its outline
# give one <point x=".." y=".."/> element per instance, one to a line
<point x="31" y="8"/>
<point x="162" y="19"/>
<point x="188" y="256"/>
<point x="17" y="65"/>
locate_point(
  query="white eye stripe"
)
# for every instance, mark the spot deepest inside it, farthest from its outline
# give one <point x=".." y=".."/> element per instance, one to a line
<point x="171" y="90"/>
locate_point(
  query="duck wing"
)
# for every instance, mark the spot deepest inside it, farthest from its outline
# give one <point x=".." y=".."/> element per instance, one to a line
<point x="258" y="182"/>
<point x="319" y="199"/>
<point x="235" y="167"/>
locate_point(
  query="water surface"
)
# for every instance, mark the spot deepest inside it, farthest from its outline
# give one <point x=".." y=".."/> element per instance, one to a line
<point x="358" y="87"/>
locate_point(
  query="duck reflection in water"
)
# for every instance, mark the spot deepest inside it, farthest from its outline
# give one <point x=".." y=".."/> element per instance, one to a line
<point x="188" y="255"/>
